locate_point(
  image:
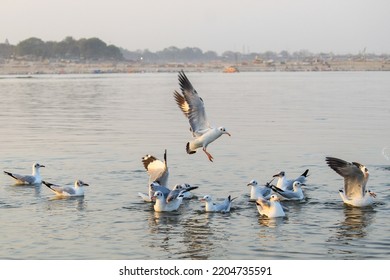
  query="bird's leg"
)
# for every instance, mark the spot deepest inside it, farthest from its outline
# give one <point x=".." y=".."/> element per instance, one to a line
<point x="208" y="154"/>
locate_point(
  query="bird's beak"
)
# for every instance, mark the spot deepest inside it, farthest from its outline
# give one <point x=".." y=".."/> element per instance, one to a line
<point x="41" y="166"/>
<point x="202" y="199"/>
<point x="228" y="133"/>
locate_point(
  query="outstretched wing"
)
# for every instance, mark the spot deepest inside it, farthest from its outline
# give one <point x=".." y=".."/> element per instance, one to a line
<point x="354" y="184"/>
<point x="157" y="169"/>
<point x="191" y="105"/>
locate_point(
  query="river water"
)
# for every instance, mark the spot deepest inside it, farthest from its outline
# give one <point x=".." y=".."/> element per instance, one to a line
<point x="98" y="127"/>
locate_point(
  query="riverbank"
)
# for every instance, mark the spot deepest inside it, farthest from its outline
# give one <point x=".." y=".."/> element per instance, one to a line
<point x="24" y="67"/>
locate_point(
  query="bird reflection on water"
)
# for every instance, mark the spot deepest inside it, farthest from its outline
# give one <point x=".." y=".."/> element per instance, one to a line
<point x="355" y="222"/>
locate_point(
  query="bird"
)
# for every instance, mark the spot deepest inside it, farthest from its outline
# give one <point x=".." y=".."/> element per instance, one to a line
<point x="193" y="108"/>
<point x="355" y="176"/>
<point x="161" y="204"/>
<point x="178" y="188"/>
<point x="285" y="184"/>
<point x="270" y="208"/>
<point x="295" y="194"/>
<point x="259" y="191"/>
<point x="34" y="179"/>
<point x="156" y="169"/>
<point x="223" y="207"/>
<point x="158" y="174"/>
<point x="67" y="191"/>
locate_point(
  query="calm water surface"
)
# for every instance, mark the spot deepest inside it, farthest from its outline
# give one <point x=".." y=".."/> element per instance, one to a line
<point x="98" y="127"/>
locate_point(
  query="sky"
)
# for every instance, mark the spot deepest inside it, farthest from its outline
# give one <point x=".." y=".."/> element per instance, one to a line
<point x="338" y="26"/>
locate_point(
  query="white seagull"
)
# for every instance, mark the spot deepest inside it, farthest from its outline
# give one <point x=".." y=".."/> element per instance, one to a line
<point x="34" y="179"/>
<point x="355" y="181"/>
<point x="295" y="194"/>
<point x="259" y="191"/>
<point x="193" y="108"/>
<point x="223" y="207"/>
<point x="67" y="191"/>
<point x="285" y="184"/>
<point x="162" y="205"/>
<point x="178" y="189"/>
<point x="158" y="174"/>
<point x="270" y="208"/>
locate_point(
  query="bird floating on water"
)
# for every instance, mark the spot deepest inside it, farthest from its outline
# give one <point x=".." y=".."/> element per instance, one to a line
<point x="295" y="194"/>
<point x="161" y="204"/>
<point x="67" y="191"/>
<point x="34" y="179"/>
<point x="223" y="207"/>
<point x="285" y="184"/>
<point x="258" y="190"/>
<point x="193" y="108"/>
<point x="270" y="208"/>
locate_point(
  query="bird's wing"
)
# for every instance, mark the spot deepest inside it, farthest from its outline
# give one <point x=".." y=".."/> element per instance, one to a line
<point x="263" y="203"/>
<point x="191" y="105"/>
<point x="354" y="185"/>
<point x="29" y="179"/>
<point x="157" y="169"/>
<point x="59" y="190"/>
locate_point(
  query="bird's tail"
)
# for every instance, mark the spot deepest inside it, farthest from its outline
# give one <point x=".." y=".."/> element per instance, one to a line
<point x="188" y="149"/>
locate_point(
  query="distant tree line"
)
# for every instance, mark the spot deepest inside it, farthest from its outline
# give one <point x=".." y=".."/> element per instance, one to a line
<point x="69" y="48"/>
<point x="96" y="49"/>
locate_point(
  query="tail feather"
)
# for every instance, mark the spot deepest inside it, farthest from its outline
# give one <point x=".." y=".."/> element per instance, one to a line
<point x="189" y="151"/>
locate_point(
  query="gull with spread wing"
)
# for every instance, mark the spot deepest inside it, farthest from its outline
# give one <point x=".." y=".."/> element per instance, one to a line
<point x="158" y="174"/>
<point x="193" y="108"/>
<point x="355" y="181"/>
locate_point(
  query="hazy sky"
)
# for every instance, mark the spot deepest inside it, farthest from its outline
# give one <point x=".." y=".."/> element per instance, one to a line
<point x="341" y="26"/>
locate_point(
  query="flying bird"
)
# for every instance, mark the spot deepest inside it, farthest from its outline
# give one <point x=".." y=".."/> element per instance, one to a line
<point x="355" y="176"/>
<point x="67" y="191"/>
<point x="34" y="179"/>
<point x="193" y="108"/>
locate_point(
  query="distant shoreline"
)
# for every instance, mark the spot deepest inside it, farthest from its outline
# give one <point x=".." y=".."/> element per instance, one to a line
<point x="25" y="67"/>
